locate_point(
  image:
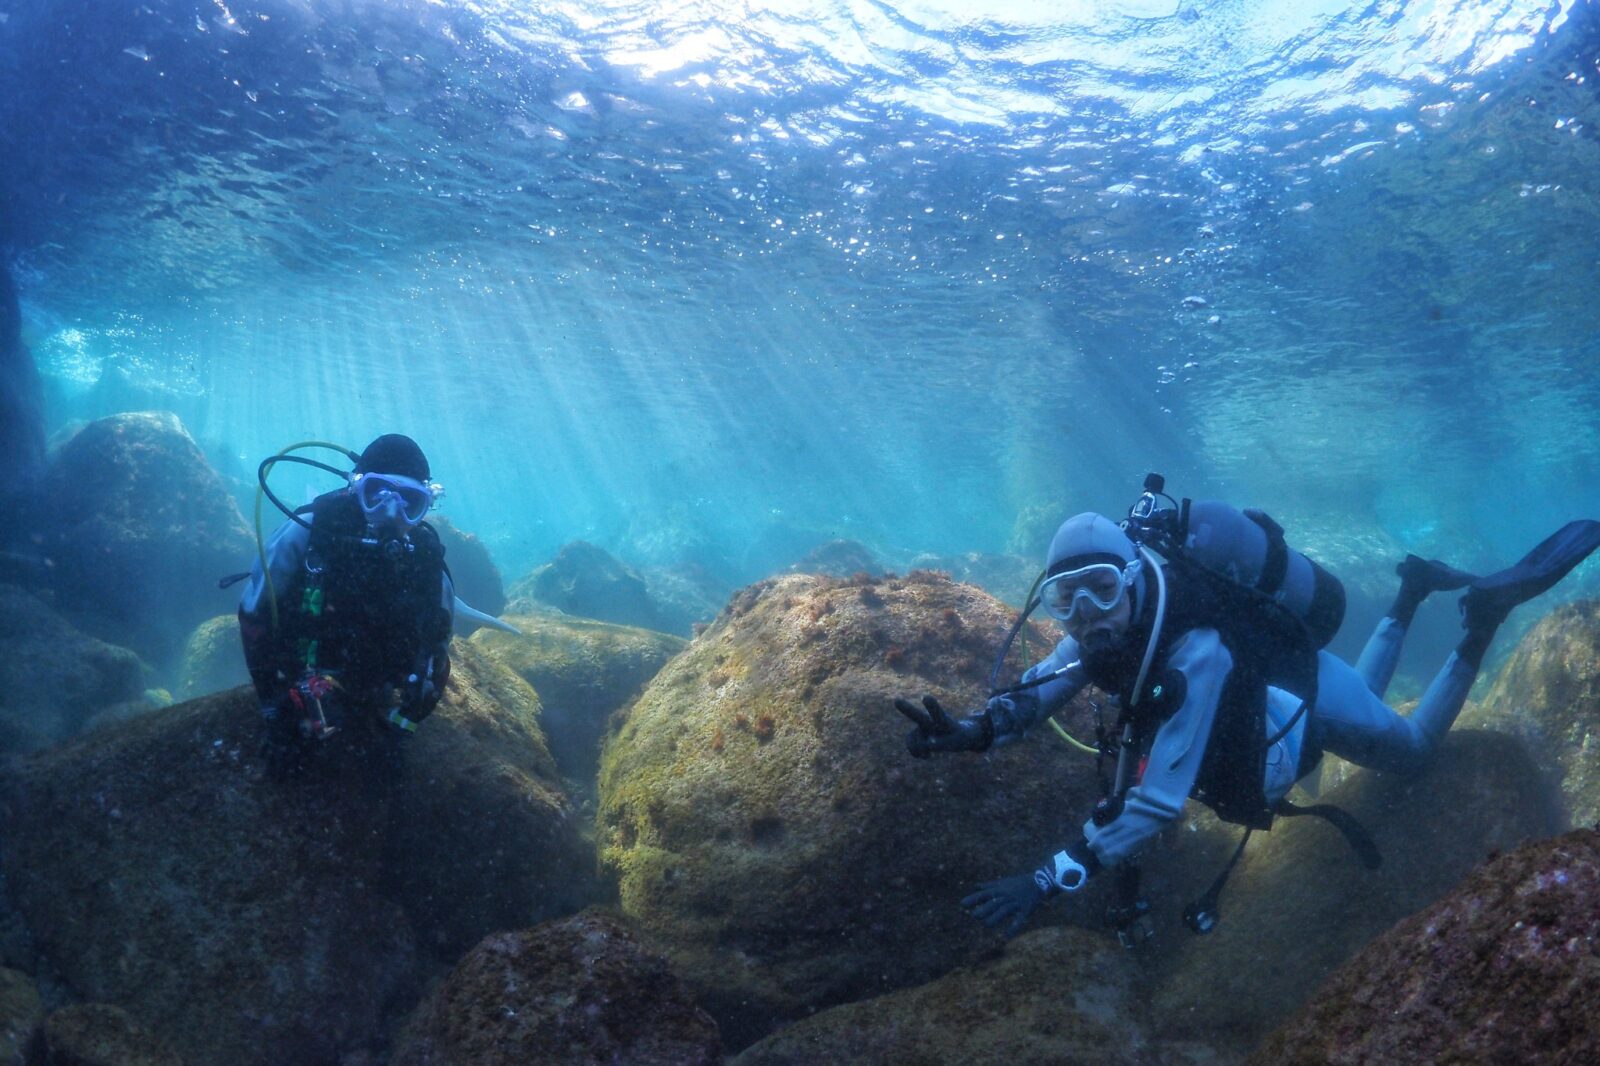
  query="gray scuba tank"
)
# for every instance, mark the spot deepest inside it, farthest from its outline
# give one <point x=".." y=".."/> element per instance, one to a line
<point x="1248" y="548"/>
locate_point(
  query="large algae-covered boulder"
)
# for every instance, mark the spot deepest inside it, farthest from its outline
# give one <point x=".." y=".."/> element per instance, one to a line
<point x="213" y="658"/>
<point x="766" y="824"/>
<point x="577" y="991"/>
<point x="1548" y="694"/>
<point x="249" y="920"/>
<point x="1057" y="996"/>
<point x="140" y="528"/>
<point x="476" y="578"/>
<point x="1506" y="968"/>
<point x="1300" y="902"/>
<point x="583" y="671"/>
<point x="590" y="582"/>
<point x="52" y="677"/>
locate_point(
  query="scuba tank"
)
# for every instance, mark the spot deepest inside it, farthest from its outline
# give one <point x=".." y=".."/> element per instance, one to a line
<point x="1247" y="548"/>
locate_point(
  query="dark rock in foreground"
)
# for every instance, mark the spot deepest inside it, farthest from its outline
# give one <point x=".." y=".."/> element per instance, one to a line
<point x="1057" y="996"/>
<point x="140" y="528"/>
<point x="253" y="921"/>
<point x="98" y="1034"/>
<point x="577" y="991"/>
<point x="1505" y="969"/>
<point x="21" y="1011"/>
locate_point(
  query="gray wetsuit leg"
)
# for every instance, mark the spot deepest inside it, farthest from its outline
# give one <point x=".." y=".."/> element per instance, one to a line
<point x="1350" y="721"/>
<point x="1381" y="655"/>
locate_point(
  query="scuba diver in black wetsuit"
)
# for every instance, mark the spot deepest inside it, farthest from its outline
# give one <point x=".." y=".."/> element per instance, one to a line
<point x="347" y="615"/>
<point x="1225" y="694"/>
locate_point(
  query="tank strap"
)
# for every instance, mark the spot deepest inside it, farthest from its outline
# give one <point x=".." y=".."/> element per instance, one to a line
<point x="1276" y="566"/>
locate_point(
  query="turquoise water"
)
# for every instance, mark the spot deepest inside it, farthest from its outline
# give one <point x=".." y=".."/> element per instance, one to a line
<point x="721" y="281"/>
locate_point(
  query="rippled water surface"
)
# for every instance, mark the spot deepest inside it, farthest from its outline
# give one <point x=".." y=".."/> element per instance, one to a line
<point x="761" y="274"/>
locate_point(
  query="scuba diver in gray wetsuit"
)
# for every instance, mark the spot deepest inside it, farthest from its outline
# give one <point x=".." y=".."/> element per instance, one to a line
<point x="1216" y="701"/>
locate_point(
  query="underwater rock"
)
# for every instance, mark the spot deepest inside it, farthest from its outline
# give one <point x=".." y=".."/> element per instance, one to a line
<point x="583" y="671"/>
<point x="1503" y="969"/>
<point x="1057" y="996"/>
<point x="839" y="558"/>
<point x="213" y="658"/>
<point x="580" y="990"/>
<point x="250" y="920"/>
<point x="99" y="1034"/>
<point x="1300" y="903"/>
<point x="22" y="442"/>
<point x="52" y="677"/>
<point x="767" y="826"/>
<point x="589" y="582"/>
<point x="1548" y="694"/>
<point x="1005" y="577"/>
<point x="139" y="528"/>
<point x="685" y="596"/>
<point x="21" y="1011"/>
<point x="476" y="578"/>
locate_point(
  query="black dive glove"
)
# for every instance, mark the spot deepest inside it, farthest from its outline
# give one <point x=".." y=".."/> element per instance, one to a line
<point x="1016" y="897"/>
<point x="937" y="731"/>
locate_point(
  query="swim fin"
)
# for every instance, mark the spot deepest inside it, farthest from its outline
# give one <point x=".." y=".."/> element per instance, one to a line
<point x="1430" y="575"/>
<point x="1491" y="598"/>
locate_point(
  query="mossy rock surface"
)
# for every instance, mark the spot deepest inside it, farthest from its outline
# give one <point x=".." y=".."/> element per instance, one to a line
<point x="98" y="1034"/>
<point x="53" y="677"/>
<point x="577" y="991"/>
<point x="766" y="824"/>
<point x="1300" y="903"/>
<point x="251" y="920"/>
<point x="1505" y="969"/>
<point x="1056" y="996"/>
<point x="1548" y="694"/>
<point x="584" y="671"/>
<point x="213" y="658"/>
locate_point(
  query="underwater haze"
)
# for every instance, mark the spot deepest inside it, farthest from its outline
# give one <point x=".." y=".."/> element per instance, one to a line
<point x="714" y="283"/>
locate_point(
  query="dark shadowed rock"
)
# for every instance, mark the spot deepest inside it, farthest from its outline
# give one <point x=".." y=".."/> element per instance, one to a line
<point x="839" y="558"/>
<point x="685" y="596"/>
<point x="1057" y="996"/>
<point x="1548" y="695"/>
<point x="589" y="582"/>
<point x="52" y="677"/>
<point x="769" y="829"/>
<point x="98" y="1034"/>
<point x="577" y="991"/>
<point x="584" y="671"/>
<point x="1300" y="903"/>
<point x="257" y="921"/>
<point x="21" y="413"/>
<point x="21" y="1011"/>
<point x="1504" y="969"/>
<point x="213" y="659"/>
<point x="476" y="578"/>
<point x="140" y="528"/>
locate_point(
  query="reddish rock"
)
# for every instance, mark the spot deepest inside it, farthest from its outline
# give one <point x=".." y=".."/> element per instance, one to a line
<point x="579" y="991"/>
<point x="1505" y="969"/>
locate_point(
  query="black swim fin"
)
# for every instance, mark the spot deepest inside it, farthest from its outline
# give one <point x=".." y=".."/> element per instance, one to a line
<point x="1430" y="575"/>
<point x="1491" y="598"/>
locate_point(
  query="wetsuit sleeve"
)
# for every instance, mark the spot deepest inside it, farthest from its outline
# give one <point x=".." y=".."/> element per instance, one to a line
<point x="1175" y="755"/>
<point x="268" y="653"/>
<point x="1013" y="715"/>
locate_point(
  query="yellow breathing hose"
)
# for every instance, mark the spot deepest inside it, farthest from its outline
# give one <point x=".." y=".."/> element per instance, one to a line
<point x="261" y="492"/>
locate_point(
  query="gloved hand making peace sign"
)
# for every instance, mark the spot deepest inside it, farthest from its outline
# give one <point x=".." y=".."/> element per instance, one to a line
<point x="937" y="731"/>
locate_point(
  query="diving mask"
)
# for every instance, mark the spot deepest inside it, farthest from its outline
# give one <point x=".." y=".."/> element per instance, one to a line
<point x="1100" y="585"/>
<point x="386" y="497"/>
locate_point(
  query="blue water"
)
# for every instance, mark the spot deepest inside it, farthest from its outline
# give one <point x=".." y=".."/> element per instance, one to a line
<point x="719" y="281"/>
